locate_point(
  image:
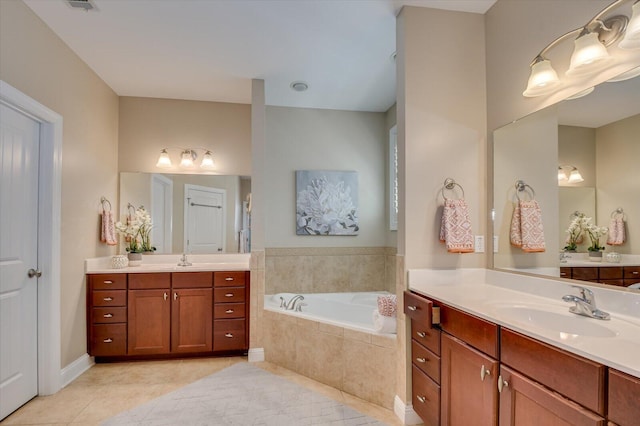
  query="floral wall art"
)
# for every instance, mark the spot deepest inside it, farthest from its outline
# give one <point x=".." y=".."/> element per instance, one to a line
<point x="326" y="202"/>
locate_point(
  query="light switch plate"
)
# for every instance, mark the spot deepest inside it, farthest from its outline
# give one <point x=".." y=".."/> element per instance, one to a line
<point x="479" y="245"/>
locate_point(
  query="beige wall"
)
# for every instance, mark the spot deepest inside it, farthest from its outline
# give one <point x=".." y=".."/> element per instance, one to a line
<point x="619" y="177"/>
<point x="147" y="125"/>
<point x="314" y="139"/>
<point x="577" y="148"/>
<point x="38" y="63"/>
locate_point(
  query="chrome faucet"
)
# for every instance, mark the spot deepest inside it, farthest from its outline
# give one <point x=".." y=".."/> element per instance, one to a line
<point x="291" y="304"/>
<point x="585" y="304"/>
<point x="183" y="261"/>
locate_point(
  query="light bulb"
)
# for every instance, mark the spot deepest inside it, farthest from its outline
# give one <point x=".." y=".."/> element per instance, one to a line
<point x="164" y="162"/>
<point x="187" y="158"/>
<point x="562" y="176"/>
<point x="207" y="161"/>
<point x="542" y="80"/>
<point x="588" y="54"/>
<point x="575" y="176"/>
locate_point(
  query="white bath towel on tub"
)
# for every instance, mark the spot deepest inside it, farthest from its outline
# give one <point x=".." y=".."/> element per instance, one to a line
<point x="383" y="324"/>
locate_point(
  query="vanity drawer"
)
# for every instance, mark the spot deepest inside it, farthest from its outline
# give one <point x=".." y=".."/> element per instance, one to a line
<point x="426" y="336"/>
<point x="585" y="274"/>
<point x="192" y="279"/>
<point x="228" y="279"/>
<point x="109" y="298"/>
<point x="228" y="310"/>
<point x="108" y="281"/>
<point x="109" y="340"/>
<point x="610" y="273"/>
<point x="228" y="294"/>
<point x="229" y="335"/>
<point x="574" y="377"/>
<point x="631" y="272"/>
<point x="109" y="315"/>
<point x="475" y="331"/>
<point x="565" y="272"/>
<point x="425" y="360"/>
<point x="623" y="398"/>
<point x="426" y="397"/>
<point x="151" y="280"/>
<point x="418" y="308"/>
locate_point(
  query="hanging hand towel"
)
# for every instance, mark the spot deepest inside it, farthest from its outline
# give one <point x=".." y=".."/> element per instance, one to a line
<point x="616" y="235"/>
<point x="455" y="228"/>
<point x="108" y="234"/>
<point x="526" y="227"/>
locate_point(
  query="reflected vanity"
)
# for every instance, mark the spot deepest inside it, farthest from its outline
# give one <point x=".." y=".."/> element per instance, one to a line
<point x="598" y="134"/>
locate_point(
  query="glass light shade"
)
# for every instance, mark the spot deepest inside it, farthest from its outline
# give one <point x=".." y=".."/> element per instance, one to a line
<point x="632" y="73"/>
<point x="631" y="38"/>
<point x="187" y="159"/>
<point x="542" y="80"/>
<point x="575" y="176"/>
<point x="164" y="162"/>
<point x="581" y="94"/>
<point x="207" y="161"/>
<point x="588" y="54"/>
<point x="562" y="176"/>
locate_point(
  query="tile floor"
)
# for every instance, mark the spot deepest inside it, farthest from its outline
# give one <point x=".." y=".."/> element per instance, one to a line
<point x="107" y="389"/>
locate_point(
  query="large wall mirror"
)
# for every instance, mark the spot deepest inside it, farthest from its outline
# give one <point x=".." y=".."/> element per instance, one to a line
<point x="191" y="213"/>
<point x="597" y="135"/>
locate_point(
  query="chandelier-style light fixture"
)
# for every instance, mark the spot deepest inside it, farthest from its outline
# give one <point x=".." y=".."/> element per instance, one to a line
<point x="573" y="175"/>
<point x="188" y="157"/>
<point x="590" y="54"/>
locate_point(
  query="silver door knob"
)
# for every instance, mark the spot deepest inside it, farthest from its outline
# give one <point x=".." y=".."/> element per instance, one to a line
<point x="34" y="273"/>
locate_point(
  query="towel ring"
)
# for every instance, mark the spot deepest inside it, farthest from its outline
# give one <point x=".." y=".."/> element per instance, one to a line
<point x="618" y="211"/>
<point x="105" y="203"/>
<point x="521" y="186"/>
<point x="450" y="184"/>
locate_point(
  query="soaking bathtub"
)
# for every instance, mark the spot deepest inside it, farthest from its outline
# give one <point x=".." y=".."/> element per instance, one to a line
<point x="347" y="310"/>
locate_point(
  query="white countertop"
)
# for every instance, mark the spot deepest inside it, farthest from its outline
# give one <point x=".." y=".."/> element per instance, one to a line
<point x="582" y="259"/>
<point x="486" y="293"/>
<point x="169" y="263"/>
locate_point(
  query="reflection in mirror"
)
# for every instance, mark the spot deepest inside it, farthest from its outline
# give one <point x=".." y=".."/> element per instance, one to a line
<point x="191" y="213"/>
<point x="597" y="134"/>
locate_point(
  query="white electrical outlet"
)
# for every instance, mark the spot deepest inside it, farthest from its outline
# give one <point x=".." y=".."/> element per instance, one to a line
<point x="479" y="246"/>
<point x="495" y="243"/>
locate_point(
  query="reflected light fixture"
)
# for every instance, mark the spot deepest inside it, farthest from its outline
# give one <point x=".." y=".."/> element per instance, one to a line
<point x="574" y="175"/>
<point x="590" y="52"/>
<point x="188" y="157"/>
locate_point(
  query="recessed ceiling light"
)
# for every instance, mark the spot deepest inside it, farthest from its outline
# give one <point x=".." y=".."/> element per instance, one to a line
<point x="299" y="86"/>
<point x="85" y="5"/>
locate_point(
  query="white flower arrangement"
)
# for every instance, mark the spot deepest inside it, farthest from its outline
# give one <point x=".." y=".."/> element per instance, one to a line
<point x="137" y="231"/>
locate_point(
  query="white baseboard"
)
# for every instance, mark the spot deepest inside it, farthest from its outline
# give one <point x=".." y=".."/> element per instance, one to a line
<point x="256" y="355"/>
<point x="72" y="371"/>
<point x="405" y="412"/>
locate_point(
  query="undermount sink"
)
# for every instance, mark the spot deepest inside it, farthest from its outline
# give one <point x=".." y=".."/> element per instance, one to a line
<point x="568" y="325"/>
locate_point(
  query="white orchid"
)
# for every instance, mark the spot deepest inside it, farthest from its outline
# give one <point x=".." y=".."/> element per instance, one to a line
<point x="137" y="231"/>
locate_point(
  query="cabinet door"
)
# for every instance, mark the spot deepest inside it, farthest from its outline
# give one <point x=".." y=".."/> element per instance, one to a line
<point x="624" y="394"/>
<point x="524" y="402"/>
<point x="192" y="324"/>
<point x="466" y="397"/>
<point x="149" y="322"/>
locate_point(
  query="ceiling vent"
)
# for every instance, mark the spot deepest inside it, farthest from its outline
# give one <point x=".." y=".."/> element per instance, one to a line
<point x="86" y="5"/>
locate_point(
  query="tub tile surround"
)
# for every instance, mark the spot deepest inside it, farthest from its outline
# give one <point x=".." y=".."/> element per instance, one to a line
<point x="478" y="291"/>
<point x="329" y="269"/>
<point x="358" y="363"/>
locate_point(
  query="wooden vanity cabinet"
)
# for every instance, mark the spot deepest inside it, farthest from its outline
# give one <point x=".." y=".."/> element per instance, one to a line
<point x="230" y="311"/>
<point x="624" y="398"/>
<point x="622" y="276"/>
<point x="149" y="314"/>
<point x="107" y="314"/>
<point x="191" y="308"/>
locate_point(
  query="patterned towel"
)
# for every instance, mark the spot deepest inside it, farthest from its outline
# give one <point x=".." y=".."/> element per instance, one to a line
<point x="108" y="232"/>
<point x="616" y="235"/>
<point x="526" y="227"/>
<point x="455" y="228"/>
<point x="387" y="305"/>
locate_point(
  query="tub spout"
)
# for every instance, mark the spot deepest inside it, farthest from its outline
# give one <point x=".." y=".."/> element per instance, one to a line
<point x="291" y="304"/>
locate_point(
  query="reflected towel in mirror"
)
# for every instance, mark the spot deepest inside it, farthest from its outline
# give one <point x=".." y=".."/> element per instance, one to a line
<point x="616" y="235"/>
<point x="526" y="230"/>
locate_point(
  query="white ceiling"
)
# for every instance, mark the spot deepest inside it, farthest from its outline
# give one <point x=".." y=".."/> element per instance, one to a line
<point x="210" y="50"/>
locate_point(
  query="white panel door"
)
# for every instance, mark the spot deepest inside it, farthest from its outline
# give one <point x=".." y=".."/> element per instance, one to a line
<point x="161" y="213"/>
<point x="19" y="146"/>
<point x="204" y="225"/>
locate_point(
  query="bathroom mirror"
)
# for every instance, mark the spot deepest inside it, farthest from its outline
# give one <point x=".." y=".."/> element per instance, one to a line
<point x="191" y="213"/>
<point x="599" y="134"/>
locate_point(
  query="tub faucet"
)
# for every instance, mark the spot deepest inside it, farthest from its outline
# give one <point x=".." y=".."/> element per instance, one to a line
<point x="585" y="304"/>
<point x="183" y="261"/>
<point x="291" y="304"/>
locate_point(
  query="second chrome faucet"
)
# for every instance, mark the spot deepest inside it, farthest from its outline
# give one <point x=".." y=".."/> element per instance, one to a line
<point x="585" y="304"/>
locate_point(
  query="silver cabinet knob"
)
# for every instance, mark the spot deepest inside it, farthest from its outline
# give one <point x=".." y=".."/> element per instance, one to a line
<point x="484" y="372"/>
<point x="34" y="273"/>
<point x="108" y="315"/>
<point x="107" y="299"/>
<point x="421" y="398"/>
<point x="423" y="360"/>
<point x="229" y="335"/>
<point x="228" y="295"/>
<point x="421" y="334"/>
<point x="502" y="384"/>
<point x="412" y="308"/>
<point x="108" y="340"/>
<point x="229" y="311"/>
<point x="228" y="279"/>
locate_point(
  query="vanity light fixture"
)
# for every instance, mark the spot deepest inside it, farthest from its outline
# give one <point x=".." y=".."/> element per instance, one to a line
<point x="574" y="175"/>
<point x="590" y="48"/>
<point x="188" y="157"/>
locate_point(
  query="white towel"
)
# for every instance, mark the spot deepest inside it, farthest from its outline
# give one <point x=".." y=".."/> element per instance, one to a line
<point x="382" y="324"/>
